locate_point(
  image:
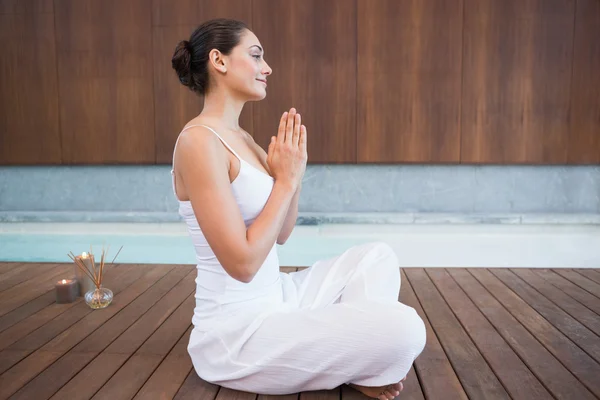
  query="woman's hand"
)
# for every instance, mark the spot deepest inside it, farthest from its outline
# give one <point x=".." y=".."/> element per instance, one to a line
<point x="286" y="155"/>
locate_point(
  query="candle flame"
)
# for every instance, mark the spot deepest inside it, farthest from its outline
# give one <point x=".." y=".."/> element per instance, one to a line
<point x="64" y="281"/>
<point x="84" y="255"/>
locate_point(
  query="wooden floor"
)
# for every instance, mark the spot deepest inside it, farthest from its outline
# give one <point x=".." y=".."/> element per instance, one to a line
<point x="492" y="334"/>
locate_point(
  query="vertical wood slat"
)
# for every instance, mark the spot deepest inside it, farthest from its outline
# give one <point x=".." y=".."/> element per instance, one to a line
<point x="311" y="47"/>
<point x="105" y="73"/>
<point x="174" y="103"/>
<point x="409" y="81"/>
<point x="516" y="81"/>
<point x="584" y="139"/>
<point x="29" y="118"/>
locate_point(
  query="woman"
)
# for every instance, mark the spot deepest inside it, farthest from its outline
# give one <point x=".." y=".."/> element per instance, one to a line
<point x="256" y="329"/>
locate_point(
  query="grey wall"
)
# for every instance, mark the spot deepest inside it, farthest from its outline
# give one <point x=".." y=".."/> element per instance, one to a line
<point x="462" y="189"/>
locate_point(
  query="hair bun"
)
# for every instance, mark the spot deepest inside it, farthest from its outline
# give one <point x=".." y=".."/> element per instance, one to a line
<point x="182" y="62"/>
<point x="188" y="46"/>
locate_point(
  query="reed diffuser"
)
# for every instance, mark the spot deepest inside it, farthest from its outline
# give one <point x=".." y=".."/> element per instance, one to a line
<point x="98" y="297"/>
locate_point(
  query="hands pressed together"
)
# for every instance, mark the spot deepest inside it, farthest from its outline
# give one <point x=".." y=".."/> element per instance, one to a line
<point x="287" y="155"/>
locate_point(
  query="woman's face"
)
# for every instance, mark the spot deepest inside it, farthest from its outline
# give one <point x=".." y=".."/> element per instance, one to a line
<point x="247" y="69"/>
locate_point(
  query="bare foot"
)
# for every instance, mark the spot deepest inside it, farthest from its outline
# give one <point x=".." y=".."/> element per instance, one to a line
<point x="387" y="392"/>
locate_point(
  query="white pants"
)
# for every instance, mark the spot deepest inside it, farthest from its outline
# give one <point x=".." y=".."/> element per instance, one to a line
<point x="343" y="324"/>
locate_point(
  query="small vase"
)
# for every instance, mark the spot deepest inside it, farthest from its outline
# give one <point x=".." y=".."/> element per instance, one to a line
<point x="99" y="297"/>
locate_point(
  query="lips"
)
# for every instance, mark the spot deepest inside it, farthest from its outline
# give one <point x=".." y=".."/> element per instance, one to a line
<point x="263" y="81"/>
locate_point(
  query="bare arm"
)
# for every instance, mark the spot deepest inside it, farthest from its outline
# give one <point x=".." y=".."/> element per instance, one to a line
<point x="290" y="218"/>
<point x="240" y="251"/>
<point x="201" y="161"/>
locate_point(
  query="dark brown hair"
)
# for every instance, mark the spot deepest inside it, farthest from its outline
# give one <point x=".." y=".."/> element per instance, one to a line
<point x="190" y="60"/>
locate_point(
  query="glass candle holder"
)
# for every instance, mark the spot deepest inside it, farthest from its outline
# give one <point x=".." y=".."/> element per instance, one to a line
<point x="99" y="297"/>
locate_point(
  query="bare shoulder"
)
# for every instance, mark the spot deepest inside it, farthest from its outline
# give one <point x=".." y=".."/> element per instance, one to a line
<point x="198" y="140"/>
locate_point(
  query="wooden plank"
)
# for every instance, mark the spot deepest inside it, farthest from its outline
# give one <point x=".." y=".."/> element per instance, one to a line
<point x="196" y="388"/>
<point x="59" y="324"/>
<point x="578" y="311"/>
<point x="325" y="96"/>
<point x="27" y="344"/>
<point x="170" y="374"/>
<point x="16" y="377"/>
<point x="25" y="6"/>
<point x="333" y="394"/>
<point x="409" y="80"/>
<point x="20" y="313"/>
<point x="438" y="378"/>
<point x="44" y="272"/>
<point x="29" y="126"/>
<point x="139" y="317"/>
<point x="22" y="273"/>
<point x="8" y="266"/>
<point x="412" y="390"/>
<point x="230" y="394"/>
<point x="37" y="304"/>
<point x="576" y="360"/>
<point x="131" y="376"/>
<point x="412" y="387"/>
<point x="294" y="396"/>
<point x="13" y="275"/>
<point x="105" y="73"/>
<point x="573" y="329"/>
<point x="517" y="80"/>
<point x="512" y="372"/>
<point x="580" y="280"/>
<point x="584" y="140"/>
<point x="27" y="291"/>
<point x="173" y="22"/>
<point x="476" y="376"/>
<point x="585" y="298"/>
<point x="546" y="368"/>
<point x="590" y="274"/>
<point x="125" y="275"/>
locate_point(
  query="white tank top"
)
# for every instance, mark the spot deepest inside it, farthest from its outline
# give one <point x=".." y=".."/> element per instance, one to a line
<point x="218" y="295"/>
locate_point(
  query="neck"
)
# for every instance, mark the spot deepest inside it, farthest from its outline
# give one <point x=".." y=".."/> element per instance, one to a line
<point x="223" y="107"/>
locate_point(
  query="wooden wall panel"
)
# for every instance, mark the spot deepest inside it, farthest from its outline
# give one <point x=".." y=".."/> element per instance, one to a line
<point x="409" y="76"/>
<point x="517" y="72"/>
<point x="29" y="123"/>
<point x="311" y="47"/>
<point x="174" y="103"/>
<point x="26" y="6"/>
<point x="584" y="141"/>
<point x="105" y="81"/>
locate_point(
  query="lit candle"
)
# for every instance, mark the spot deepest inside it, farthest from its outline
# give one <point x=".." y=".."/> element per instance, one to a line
<point x="66" y="291"/>
<point x="85" y="283"/>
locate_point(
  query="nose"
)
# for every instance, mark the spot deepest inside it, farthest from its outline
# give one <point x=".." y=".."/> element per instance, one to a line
<point x="267" y="70"/>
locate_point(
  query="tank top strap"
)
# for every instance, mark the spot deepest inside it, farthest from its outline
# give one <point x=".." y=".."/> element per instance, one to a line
<point x="177" y="141"/>
<point x="213" y="131"/>
<point x="220" y="138"/>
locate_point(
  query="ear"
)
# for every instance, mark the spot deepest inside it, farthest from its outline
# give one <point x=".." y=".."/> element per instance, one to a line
<point x="216" y="58"/>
